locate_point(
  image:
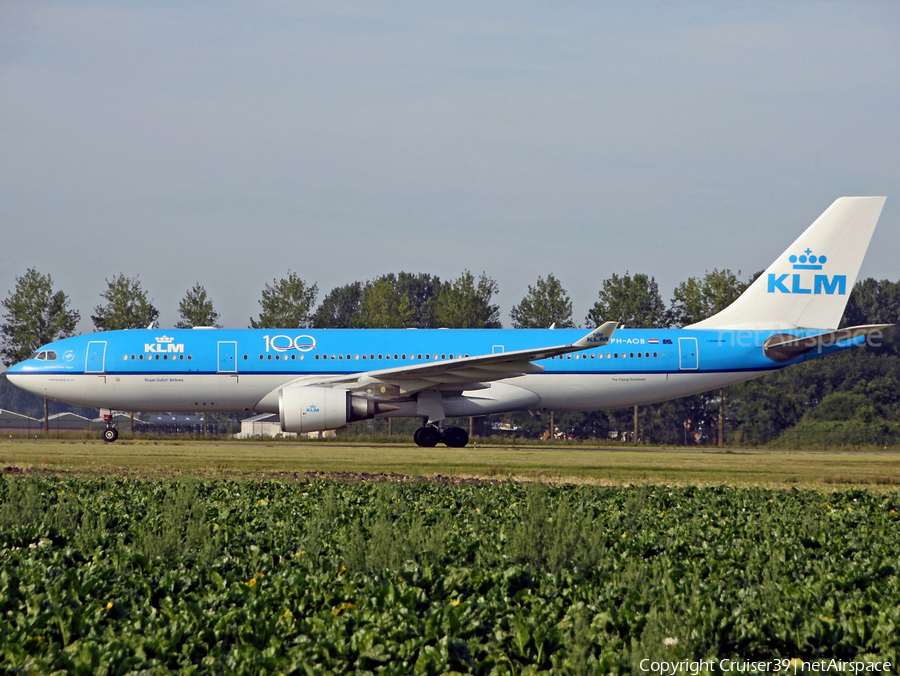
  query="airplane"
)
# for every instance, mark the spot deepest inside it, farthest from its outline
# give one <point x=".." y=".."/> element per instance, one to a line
<point x="323" y="379"/>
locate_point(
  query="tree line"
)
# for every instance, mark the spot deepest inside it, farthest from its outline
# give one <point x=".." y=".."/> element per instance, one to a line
<point x="36" y="313"/>
<point x="860" y="385"/>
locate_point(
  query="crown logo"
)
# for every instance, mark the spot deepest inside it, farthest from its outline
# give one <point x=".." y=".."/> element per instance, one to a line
<point x="164" y="339"/>
<point x="808" y="261"/>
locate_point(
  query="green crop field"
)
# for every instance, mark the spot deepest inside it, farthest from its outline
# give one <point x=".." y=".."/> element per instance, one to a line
<point x="121" y="575"/>
<point x="333" y="558"/>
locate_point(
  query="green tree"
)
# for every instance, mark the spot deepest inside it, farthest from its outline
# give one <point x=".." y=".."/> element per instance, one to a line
<point x="196" y="309"/>
<point x="385" y="306"/>
<point x="422" y="290"/>
<point x="340" y="308"/>
<point x="382" y="295"/>
<point x="35" y="315"/>
<point x="126" y="306"/>
<point x="702" y="297"/>
<point x="693" y="300"/>
<point x="286" y="304"/>
<point x="873" y="302"/>
<point x="546" y="303"/>
<point x="466" y="304"/>
<point x="632" y="301"/>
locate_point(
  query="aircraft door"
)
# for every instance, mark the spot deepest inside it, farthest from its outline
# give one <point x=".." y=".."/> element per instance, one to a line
<point x="687" y="354"/>
<point x="227" y="356"/>
<point x="96" y="357"/>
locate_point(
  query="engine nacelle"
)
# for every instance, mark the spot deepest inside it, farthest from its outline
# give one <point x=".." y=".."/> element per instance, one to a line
<point x="314" y="409"/>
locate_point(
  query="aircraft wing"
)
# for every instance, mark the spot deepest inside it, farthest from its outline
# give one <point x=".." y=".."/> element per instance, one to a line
<point x="487" y="367"/>
<point x="466" y="373"/>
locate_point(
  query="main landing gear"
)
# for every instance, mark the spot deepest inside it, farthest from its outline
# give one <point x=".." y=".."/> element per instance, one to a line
<point x="429" y="435"/>
<point x="110" y="434"/>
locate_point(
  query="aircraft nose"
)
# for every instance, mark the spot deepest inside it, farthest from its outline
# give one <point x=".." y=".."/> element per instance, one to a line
<point x="14" y="375"/>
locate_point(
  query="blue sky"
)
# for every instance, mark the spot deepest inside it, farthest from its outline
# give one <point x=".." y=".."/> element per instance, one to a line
<point x="228" y="143"/>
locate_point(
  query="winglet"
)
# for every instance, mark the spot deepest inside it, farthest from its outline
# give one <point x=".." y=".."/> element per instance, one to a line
<point x="598" y="337"/>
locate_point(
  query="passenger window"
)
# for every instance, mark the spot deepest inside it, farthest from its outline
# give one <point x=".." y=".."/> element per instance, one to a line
<point x="640" y="355"/>
<point x="655" y="354"/>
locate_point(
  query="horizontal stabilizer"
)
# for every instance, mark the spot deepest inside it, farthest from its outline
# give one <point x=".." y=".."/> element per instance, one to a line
<point x="783" y="347"/>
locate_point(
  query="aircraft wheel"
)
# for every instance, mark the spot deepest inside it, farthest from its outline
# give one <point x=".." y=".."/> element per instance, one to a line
<point x="110" y="434"/>
<point x="427" y="437"/>
<point x="456" y="437"/>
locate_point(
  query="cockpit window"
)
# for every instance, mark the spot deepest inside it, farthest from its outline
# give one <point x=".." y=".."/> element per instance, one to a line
<point x="51" y="355"/>
<point x="44" y="355"/>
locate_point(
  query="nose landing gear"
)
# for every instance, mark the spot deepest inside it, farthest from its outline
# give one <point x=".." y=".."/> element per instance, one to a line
<point x="110" y="434"/>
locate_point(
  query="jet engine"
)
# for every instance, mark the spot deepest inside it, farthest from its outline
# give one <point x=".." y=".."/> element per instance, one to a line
<point x="313" y="409"/>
